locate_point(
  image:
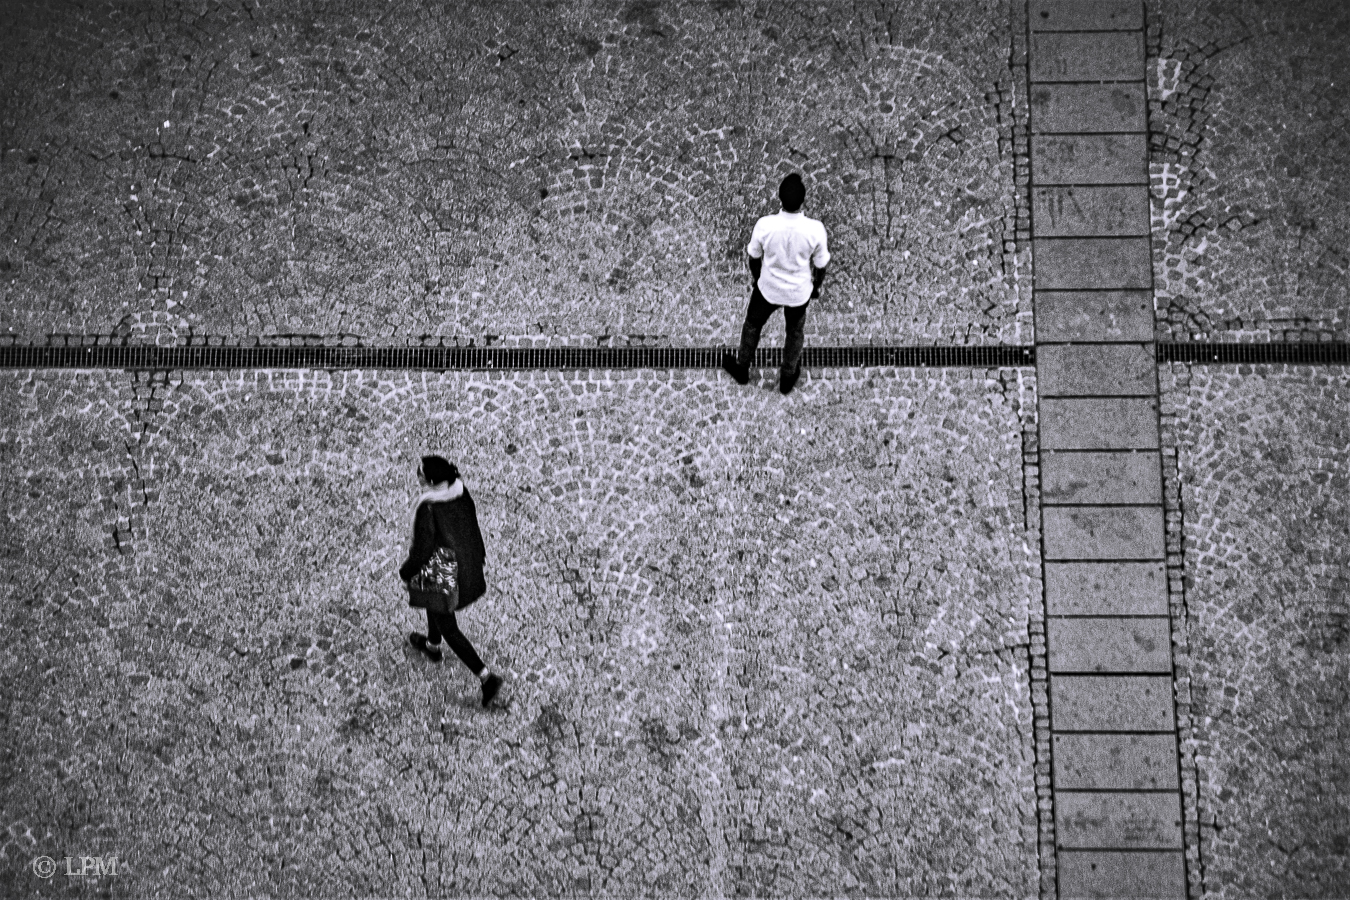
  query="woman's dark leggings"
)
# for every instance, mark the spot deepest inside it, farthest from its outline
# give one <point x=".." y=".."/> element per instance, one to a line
<point x="444" y="625"/>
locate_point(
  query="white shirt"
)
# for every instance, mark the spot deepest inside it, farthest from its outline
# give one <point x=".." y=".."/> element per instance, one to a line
<point x="789" y="243"/>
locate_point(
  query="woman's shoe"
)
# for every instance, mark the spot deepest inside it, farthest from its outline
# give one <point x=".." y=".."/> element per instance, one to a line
<point x="420" y="642"/>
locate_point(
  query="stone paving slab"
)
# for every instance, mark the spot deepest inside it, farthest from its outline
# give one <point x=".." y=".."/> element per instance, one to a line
<point x="1263" y="477"/>
<point x="1086" y="370"/>
<point x="1140" y="646"/>
<point x="1089" y="477"/>
<point x="1138" y="762"/>
<point x="1112" y="703"/>
<point x="1088" y="108"/>
<point x="1087" y="211"/>
<point x="1103" y="874"/>
<point x="565" y="173"/>
<point x="1099" y="424"/>
<point x="1085" y="15"/>
<point x="1105" y="589"/>
<point x="1074" y="264"/>
<point x="1103" y="532"/>
<point x="1087" y="56"/>
<point x="1089" y="159"/>
<point x="749" y="648"/>
<point x="1126" y="821"/>
<point x="1088" y="316"/>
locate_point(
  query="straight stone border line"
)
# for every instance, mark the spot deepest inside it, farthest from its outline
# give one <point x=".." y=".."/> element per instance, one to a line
<point x="149" y="357"/>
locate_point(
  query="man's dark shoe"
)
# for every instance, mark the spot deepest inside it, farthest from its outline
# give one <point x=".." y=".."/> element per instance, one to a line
<point x="490" y="688"/>
<point x="734" y="369"/>
<point x="420" y="642"/>
<point x="787" y="381"/>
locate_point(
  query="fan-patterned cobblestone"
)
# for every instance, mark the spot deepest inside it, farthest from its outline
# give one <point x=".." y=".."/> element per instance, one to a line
<point x="754" y="644"/>
<point x="547" y="173"/>
<point x="1263" y="483"/>
<point x="1249" y="133"/>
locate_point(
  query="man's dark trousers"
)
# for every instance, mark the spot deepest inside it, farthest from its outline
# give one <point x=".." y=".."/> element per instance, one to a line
<point x="757" y="315"/>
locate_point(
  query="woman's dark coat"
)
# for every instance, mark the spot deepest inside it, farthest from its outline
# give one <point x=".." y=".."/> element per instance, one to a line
<point x="454" y="524"/>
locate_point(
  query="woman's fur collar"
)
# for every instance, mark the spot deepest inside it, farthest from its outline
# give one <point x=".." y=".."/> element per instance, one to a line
<point x="439" y="494"/>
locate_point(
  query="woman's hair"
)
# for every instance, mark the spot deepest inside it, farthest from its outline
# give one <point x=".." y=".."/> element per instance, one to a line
<point x="792" y="192"/>
<point x="437" y="469"/>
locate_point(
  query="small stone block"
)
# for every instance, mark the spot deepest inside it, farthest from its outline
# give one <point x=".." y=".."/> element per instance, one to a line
<point x="1099" y="56"/>
<point x="1084" y="264"/>
<point x="1097" y="477"/>
<point x="1111" y="703"/>
<point x="1103" y="532"/>
<point x="1118" y="821"/>
<point x="1086" y="370"/>
<point x="1089" y="159"/>
<point x="1094" y="316"/>
<point x="1090" y="875"/>
<point x="1086" y="15"/>
<point x="1088" y="211"/>
<point x="1115" y="762"/>
<point x="1106" y="589"/>
<point x="1110" y="423"/>
<point x="1140" y="646"/>
<point x="1088" y="108"/>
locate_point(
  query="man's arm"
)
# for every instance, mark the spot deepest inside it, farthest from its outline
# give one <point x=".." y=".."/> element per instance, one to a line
<point x="820" y="261"/>
<point x="756" y="265"/>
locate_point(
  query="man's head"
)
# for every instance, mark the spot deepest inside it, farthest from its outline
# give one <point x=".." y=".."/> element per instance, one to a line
<point x="792" y="192"/>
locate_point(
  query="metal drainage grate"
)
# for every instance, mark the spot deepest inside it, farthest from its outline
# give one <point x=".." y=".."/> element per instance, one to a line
<point x="543" y="358"/>
<point x="505" y="358"/>
<point x="1302" y="354"/>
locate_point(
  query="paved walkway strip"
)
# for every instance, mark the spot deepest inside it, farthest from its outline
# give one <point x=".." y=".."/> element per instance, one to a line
<point x="1114" y="782"/>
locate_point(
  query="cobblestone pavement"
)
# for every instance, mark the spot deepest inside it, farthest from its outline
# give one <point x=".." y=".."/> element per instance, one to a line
<point x="1250" y="136"/>
<point x="756" y="645"/>
<point x="569" y="172"/>
<point x="1265" y="490"/>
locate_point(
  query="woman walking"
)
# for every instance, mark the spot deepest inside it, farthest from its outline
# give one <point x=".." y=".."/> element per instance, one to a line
<point x="444" y="517"/>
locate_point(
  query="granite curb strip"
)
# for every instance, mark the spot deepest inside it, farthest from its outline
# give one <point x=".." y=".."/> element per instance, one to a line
<point x="1104" y="478"/>
<point x="1094" y="15"/>
<point x="1128" y="874"/>
<point x="1113" y="719"/>
<point x="1074" y="55"/>
<point x="1088" y="159"/>
<point x="1099" y="210"/>
<point x="1116" y="762"/>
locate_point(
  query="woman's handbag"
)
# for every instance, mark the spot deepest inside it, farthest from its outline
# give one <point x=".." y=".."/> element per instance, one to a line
<point x="440" y="578"/>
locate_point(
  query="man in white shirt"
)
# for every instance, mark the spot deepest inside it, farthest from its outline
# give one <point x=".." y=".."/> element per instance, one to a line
<point x="784" y="249"/>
